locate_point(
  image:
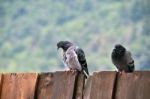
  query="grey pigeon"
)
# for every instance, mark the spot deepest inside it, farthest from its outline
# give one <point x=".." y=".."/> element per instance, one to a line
<point x="122" y="59"/>
<point x="73" y="57"/>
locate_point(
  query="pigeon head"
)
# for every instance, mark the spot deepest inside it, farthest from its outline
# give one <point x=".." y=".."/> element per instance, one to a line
<point x="64" y="45"/>
<point x="118" y="51"/>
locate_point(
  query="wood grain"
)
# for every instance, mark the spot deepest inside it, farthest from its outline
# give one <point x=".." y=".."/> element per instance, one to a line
<point x="63" y="87"/>
<point x="1" y="78"/>
<point x="133" y="86"/>
<point x="102" y="85"/>
<point x="87" y="88"/>
<point x="78" y="91"/>
<point x="18" y="86"/>
<point x="44" y="86"/>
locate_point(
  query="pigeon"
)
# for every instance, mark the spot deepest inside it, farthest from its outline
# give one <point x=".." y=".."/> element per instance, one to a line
<point x="73" y="57"/>
<point x="122" y="59"/>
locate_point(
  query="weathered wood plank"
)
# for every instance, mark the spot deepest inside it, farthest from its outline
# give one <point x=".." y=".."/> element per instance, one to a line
<point x="0" y="79"/>
<point x="102" y="85"/>
<point x="44" y="86"/>
<point x="0" y="83"/>
<point x="87" y="88"/>
<point x="58" y="85"/>
<point x="133" y="86"/>
<point x="78" y="94"/>
<point x="18" y="86"/>
<point x="63" y="87"/>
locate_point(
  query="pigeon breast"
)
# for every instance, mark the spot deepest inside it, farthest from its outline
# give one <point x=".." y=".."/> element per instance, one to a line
<point x="71" y="59"/>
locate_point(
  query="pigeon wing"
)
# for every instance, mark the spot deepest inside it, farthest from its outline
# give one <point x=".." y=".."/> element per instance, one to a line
<point x="130" y="62"/>
<point x="82" y="61"/>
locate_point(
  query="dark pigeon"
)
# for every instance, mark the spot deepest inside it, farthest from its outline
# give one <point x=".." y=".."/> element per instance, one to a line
<point x="122" y="59"/>
<point x="73" y="57"/>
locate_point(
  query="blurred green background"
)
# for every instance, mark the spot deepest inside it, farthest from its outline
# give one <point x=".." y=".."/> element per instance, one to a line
<point x="30" y="29"/>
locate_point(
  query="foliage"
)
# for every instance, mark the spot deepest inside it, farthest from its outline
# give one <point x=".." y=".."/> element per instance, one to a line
<point x="30" y="29"/>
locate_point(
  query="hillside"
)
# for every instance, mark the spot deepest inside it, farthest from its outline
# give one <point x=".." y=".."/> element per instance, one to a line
<point x="30" y="29"/>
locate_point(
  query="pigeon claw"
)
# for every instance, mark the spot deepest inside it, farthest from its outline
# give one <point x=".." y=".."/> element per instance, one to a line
<point x="67" y="71"/>
<point x="121" y="72"/>
<point x="73" y="70"/>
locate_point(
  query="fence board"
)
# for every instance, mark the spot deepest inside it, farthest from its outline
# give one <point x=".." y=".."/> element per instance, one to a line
<point x="44" y="86"/>
<point x="60" y="86"/>
<point x="0" y="84"/>
<point x="18" y="86"/>
<point x="0" y="79"/>
<point x="63" y="87"/>
<point x="102" y="85"/>
<point x="133" y="86"/>
<point x="87" y="88"/>
<point x="78" y="92"/>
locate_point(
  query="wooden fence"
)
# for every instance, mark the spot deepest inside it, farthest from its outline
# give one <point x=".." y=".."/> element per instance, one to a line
<point x="62" y="85"/>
